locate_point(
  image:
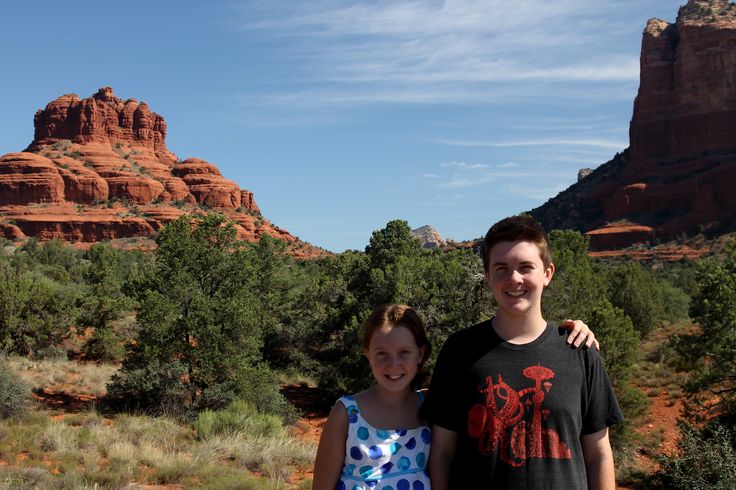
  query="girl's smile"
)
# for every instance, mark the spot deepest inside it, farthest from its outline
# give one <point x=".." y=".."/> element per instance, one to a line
<point x="394" y="357"/>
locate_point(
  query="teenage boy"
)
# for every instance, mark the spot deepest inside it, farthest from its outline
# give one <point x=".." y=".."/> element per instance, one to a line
<point x="510" y="403"/>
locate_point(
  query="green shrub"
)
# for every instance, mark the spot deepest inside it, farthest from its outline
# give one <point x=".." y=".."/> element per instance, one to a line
<point x="257" y="386"/>
<point x="156" y="387"/>
<point x="14" y="391"/>
<point x="707" y="460"/>
<point x="239" y="417"/>
<point x="104" y="345"/>
<point x="51" y="353"/>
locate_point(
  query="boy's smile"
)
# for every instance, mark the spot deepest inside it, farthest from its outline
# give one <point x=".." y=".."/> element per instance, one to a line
<point x="517" y="277"/>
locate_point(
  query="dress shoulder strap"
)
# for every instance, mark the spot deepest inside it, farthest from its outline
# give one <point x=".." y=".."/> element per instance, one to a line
<point x="351" y="406"/>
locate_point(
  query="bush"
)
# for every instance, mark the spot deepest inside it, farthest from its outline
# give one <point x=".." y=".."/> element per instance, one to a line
<point x="256" y="386"/>
<point x="239" y="417"/>
<point x="104" y="345"/>
<point x="14" y="392"/>
<point x="156" y="387"/>
<point x="707" y="461"/>
<point x="51" y="353"/>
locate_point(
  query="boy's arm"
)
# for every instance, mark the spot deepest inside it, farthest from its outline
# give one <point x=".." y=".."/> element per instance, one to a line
<point x="331" y="450"/>
<point x="598" y="460"/>
<point x="441" y="454"/>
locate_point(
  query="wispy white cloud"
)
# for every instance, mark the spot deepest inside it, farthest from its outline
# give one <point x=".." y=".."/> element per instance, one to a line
<point x="464" y="165"/>
<point x="600" y="143"/>
<point x="410" y="51"/>
<point x="461" y="181"/>
<point x="537" y="193"/>
<point x="463" y="175"/>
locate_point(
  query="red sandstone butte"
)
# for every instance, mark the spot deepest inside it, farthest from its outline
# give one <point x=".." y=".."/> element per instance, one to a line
<point x="679" y="174"/>
<point x="98" y="168"/>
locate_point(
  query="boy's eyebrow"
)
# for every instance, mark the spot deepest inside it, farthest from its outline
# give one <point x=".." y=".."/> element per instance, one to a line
<point x="524" y="262"/>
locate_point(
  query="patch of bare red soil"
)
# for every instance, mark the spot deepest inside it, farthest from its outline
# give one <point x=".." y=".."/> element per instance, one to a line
<point x="66" y="401"/>
<point x="314" y="404"/>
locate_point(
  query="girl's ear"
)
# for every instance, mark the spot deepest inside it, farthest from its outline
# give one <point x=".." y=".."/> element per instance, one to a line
<point x="423" y="352"/>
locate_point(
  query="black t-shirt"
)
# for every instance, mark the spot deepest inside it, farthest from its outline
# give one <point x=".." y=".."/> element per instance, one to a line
<point x="519" y="410"/>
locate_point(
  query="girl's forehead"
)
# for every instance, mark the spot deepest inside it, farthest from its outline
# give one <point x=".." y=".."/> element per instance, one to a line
<point x="392" y="334"/>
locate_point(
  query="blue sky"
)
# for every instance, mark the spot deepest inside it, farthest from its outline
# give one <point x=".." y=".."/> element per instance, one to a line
<point x="343" y="115"/>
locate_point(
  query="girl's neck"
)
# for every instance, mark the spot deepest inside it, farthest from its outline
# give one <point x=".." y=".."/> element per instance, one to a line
<point x="391" y="398"/>
<point x="389" y="410"/>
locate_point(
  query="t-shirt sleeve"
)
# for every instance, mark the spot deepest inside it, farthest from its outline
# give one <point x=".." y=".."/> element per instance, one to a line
<point x="441" y="406"/>
<point x="602" y="409"/>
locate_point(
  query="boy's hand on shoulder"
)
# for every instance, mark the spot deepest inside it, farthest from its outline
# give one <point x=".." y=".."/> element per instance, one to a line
<point x="579" y="334"/>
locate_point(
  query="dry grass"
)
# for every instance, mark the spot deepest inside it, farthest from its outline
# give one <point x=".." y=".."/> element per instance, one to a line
<point x="63" y="375"/>
<point x="89" y="450"/>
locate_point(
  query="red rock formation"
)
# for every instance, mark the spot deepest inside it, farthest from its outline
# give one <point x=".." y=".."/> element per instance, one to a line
<point x="98" y="168"/>
<point x="680" y="171"/>
<point x="687" y="102"/>
<point x="26" y="178"/>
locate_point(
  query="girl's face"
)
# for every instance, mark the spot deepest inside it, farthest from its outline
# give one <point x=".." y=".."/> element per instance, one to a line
<point x="394" y="357"/>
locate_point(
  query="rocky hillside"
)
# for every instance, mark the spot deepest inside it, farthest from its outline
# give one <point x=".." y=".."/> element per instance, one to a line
<point x="679" y="172"/>
<point x="429" y="237"/>
<point x="98" y="168"/>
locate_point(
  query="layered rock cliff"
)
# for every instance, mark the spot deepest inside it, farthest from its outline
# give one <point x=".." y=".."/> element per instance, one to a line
<point x="98" y="168"/>
<point x="679" y="172"/>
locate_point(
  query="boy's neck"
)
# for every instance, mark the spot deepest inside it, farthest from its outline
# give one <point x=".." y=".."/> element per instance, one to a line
<point x="519" y="330"/>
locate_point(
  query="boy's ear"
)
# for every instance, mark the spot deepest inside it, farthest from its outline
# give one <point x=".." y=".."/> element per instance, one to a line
<point x="548" y="273"/>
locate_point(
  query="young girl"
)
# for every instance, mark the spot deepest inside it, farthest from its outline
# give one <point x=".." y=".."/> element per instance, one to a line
<point x="376" y="439"/>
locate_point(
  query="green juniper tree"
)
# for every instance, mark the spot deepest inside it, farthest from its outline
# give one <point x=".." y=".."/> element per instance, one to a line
<point x="200" y="340"/>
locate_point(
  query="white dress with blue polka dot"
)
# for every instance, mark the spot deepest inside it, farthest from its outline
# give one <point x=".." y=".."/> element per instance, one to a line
<point x="382" y="459"/>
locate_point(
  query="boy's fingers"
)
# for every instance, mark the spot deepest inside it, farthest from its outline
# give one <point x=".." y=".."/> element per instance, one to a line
<point x="575" y="332"/>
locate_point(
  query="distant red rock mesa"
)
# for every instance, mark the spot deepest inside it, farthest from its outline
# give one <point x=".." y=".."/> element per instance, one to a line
<point x="98" y="168"/>
<point x="679" y="174"/>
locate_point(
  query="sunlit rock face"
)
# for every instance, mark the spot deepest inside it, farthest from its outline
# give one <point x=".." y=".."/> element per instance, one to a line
<point x="679" y="172"/>
<point x="98" y="168"/>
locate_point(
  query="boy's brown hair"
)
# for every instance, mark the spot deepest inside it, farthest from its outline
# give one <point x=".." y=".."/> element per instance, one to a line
<point x="513" y="229"/>
<point x="400" y="316"/>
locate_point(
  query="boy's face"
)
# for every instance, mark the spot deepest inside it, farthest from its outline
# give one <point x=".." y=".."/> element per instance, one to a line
<point x="517" y="277"/>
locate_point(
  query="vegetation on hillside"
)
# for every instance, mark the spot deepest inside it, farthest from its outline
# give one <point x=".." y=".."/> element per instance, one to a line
<point x="202" y="325"/>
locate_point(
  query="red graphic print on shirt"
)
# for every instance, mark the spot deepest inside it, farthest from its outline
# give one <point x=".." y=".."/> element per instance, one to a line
<point x="502" y="424"/>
